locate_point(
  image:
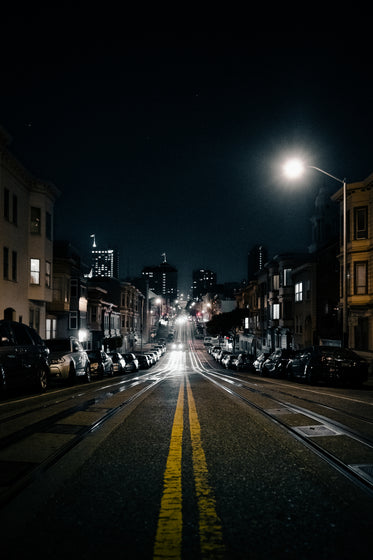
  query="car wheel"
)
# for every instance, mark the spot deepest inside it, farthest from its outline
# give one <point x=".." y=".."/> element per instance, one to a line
<point x="3" y="386"/>
<point x="87" y="375"/>
<point x="72" y="373"/>
<point x="42" y="379"/>
<point x="309" y="375"/>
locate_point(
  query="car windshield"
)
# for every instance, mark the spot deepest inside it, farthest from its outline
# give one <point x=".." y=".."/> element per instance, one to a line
<point x="340" y="353"/>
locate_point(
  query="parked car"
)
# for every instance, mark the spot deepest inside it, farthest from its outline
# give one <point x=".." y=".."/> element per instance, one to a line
<point x="276" y="363"/>
<point x="68" y="359"/>
<point x="328" y="364"/>
<point x="221" y="354"/>
<point x="100" y="362"/>
<point x="23" y="357"/>
<point x="153" y="356"/>
<point x="144" y="361"/>
<point x="243" y="362"/>
<point x="228" y="360"/>
<point x="119" y="363"/>
<point x="215" y="351"/>
<point x="259" y="361"/>
<point x="132" y="363"/>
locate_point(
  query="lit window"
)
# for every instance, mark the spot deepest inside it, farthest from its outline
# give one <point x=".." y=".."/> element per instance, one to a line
<point x="299" y="291"/>
<point x="361" y="278"/>
<point x="34" y="271"/>
<point x="276" y="311"/>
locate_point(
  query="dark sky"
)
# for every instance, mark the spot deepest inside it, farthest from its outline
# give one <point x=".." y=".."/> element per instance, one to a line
<point x="174" y="143"/>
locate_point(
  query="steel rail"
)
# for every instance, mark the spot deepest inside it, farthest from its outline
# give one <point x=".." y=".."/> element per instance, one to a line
<point x="362" y="482"/>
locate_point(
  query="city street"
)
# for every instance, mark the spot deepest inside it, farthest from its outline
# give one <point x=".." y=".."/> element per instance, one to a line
<point x="188" y="460"/>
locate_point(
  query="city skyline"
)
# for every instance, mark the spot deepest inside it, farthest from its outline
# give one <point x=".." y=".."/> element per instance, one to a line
<point x="176" y="145"/>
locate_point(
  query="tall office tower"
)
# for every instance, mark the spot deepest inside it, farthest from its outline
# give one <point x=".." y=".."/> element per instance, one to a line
<point x="162" y="279"/>
<point x="204" y="281"/>
<point x="105" y="262"/>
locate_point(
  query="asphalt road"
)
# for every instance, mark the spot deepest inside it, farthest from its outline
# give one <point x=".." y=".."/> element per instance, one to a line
<point x="189" y="471"/>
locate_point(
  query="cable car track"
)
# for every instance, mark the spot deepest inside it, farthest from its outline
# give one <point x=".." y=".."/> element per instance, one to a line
<point x="351" y="472"/>
<point x="14" y="484"/>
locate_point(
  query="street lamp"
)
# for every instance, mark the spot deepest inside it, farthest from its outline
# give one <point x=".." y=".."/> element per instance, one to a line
<point x="293" y="169"/>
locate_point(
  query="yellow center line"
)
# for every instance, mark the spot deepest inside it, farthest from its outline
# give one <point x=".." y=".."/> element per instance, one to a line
<point x="168" y="540"/>
<point x="210" y="530"/>
<point x="170" y="523"/>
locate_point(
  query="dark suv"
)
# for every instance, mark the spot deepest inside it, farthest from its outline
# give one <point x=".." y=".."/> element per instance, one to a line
<point x="23" y="357"/>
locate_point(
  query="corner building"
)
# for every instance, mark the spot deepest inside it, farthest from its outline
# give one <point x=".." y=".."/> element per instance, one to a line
<point x="26" y="244"/>
<point x="359" y="264"/>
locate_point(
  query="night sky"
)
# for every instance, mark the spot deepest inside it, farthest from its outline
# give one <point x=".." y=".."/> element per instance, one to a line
<point x="164" y="143"/>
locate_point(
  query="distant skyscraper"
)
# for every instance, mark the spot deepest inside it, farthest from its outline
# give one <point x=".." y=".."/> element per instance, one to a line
<point x="256" y="259"/>
<point x="162" y="279"/>
<point x="105" y="262"/>
<point x="204" y="281"/>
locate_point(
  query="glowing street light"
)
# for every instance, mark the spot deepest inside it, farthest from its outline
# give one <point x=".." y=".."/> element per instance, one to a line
<point x="293" y="169"/>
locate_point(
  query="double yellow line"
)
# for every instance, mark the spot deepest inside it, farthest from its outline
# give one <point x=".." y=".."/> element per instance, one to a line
<point x="168" y="541"/>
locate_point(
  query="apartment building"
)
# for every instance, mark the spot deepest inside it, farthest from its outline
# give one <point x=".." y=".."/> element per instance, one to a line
<point x="26" y="231"/>
<point x="359" y="232"/>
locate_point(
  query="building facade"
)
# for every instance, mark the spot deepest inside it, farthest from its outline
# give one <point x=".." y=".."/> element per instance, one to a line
<point x="26" y="234"/>
<point x="359" y="276"/>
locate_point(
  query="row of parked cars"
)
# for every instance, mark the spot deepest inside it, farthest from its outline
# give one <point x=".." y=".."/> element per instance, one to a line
<point x="25" y="359"/>
<point x="326" y="364"/>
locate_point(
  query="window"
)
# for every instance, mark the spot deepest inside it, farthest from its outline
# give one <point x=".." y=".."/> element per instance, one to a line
<point x="6" y="263"/>
<point x="35" y="271"/>
<point x="287" y="277"/>
<point x="35" y="318"/>
<point x="276" y="282"/>
<point x="50" y="328"/>
<point x="15" y="209"/>
<point x="73" y="287"/>
<point x="35" y="220"/>
<point x="276" y="311"/>
<point x="299" y="291"/>
<point x="6" y="204"/>
<point x="48" y="225"/>
<point x="361" y="222"/>
<point x="14" y="266"/>
<point x="48" y="274"/>
<point x="361" y="278"/>
<point x="73" y="320"/>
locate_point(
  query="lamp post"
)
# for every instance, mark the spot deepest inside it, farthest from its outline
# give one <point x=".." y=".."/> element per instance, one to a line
<point x="293" y="169"/>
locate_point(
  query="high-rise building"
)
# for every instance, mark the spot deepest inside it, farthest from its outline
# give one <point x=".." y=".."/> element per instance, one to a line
<point x="204" y="281"/>
<point x="162" y="279"/>
<point x="105" y="262"/>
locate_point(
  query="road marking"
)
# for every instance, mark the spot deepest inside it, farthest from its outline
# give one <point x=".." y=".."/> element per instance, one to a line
<point x="210" y="530"/>
<point x="168" y="540"/>
<point x="170" y="523"/>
